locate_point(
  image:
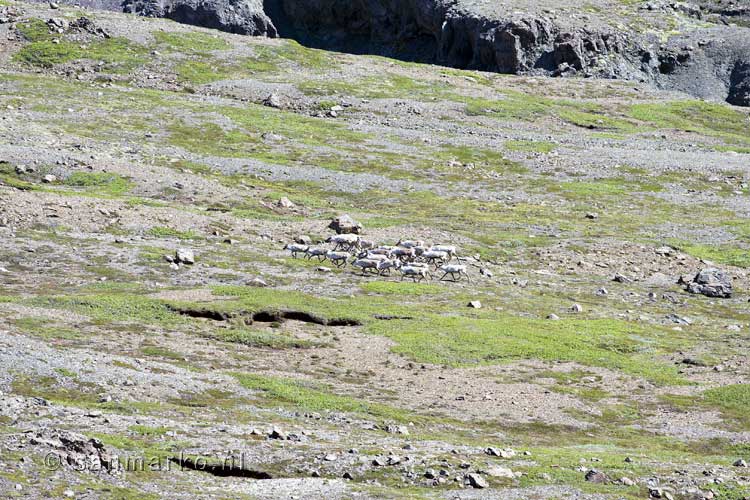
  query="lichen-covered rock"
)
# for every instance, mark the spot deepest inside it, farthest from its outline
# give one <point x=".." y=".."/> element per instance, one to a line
<point x="711" y="283"/>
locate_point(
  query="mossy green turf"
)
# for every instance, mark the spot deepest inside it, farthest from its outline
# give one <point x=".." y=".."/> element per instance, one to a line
<point x="313" y="396"/>
<point x="100" y="182"/>
<point x="733" y="400"/>
<point x="42" y="49"/>
<point x="190" y="42"/>
<point x="484" y="337"/>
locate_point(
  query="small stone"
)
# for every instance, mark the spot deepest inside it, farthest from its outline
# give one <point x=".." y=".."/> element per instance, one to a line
<point x="665" y="251"/>
<point x="602" y="292"/>
<point x="501" y="472"/>
<point x="271" y="137"/>
<point x="344" y="224"/>
<point x="285" y="203"/>
<point x="348" y="475"/>
<point x="740" y="463"/>
<point x="592" y="215"/>
<point x="595" y="476"/>
<point x="48" y="179"/>
<point x="303" y="239"/>
<point x="331" y="457"/>
<point x="323" y="269"/>
<point x="576" y="308"/>
<point x="184" y="256"/>
<point x="69" y="493"/>
<point x="485" y="272"/>
<point x="379" y="462"/>
<point x="397" y="429"/>
<point x="475" y="304"/>
<point x="277" y="433"/>
<point x="430" y="474"/>
<point x="476" y="481"/>
<point x="620" y="278"/>
<point x="257" y="282"/>
<point x="660" y="493"/>
<point x="272" y="101"/>
<point x="174" y="266"/>
<point x="553" y="317"/>
<point x="627" y="481"/>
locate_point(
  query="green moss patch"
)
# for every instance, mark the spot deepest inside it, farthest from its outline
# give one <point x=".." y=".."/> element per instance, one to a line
<point x="531" y="146"/>
<point x="47" y="50"/>
<point x="696" y="116"/>
<point x="732" y="400"/>
<point x="192" y="42"/>
<point x="317" y="397"/>
<point x="99" y="182"/>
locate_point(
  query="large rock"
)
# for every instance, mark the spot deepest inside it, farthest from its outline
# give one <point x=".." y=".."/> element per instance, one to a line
<point x="711" y="283"/>
<point x="344" y="224"/>
<point x="75" y="450"/>
<point x="245" y="17"/>
<point x="184" y="256"/>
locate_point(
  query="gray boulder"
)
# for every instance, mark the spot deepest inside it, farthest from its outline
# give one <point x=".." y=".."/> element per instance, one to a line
<point x="184" y="256"/>
<point x="245" y="17"/>
<point x="711" y="283"/>
<point x="344" y="224"/>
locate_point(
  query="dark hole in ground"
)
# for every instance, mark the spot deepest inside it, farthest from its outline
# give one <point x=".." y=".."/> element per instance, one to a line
<point x="200" y="313"/>
<point x="266" y="316"/>
<point x="228" y="468"/>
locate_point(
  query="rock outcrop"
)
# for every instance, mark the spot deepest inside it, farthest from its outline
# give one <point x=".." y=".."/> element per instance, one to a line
<point x="245" y="17"/>
<point x="709" y="61"/>
<point x="711" y="283"/>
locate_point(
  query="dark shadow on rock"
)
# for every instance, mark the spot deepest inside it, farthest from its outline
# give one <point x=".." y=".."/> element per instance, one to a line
<point x="739" y="84"/>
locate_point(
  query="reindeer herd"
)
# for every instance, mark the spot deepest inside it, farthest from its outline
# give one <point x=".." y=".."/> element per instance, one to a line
<point x="412" y="258"/>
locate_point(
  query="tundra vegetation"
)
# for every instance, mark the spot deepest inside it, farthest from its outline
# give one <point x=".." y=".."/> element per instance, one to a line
<point x="147" y="301"/>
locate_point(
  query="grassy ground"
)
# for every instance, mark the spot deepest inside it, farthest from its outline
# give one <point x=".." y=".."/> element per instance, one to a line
<point x="498" y="165"/>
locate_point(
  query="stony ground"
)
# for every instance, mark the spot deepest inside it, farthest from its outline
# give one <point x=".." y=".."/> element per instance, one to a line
<point x="123" y="140"/>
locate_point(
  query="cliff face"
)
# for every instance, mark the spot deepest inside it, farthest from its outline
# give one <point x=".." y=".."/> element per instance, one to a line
<point x="448" y="33"/>
<point x="709" y="62"/>
<point x="709" y="57"/>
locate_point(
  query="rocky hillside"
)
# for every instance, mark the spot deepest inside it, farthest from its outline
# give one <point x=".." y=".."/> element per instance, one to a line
<point x="177" y="320"/>
<point x="697" y="47"/>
